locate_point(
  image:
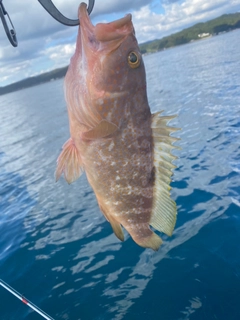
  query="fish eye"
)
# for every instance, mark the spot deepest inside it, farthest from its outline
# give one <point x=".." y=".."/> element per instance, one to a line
<point x="133" y="60"/>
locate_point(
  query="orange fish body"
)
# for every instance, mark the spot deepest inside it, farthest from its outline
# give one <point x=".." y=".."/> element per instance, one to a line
<point x="122" y="147"/>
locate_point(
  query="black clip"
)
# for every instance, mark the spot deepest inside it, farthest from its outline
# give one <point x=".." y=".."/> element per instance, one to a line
<point x="11" y="33"/>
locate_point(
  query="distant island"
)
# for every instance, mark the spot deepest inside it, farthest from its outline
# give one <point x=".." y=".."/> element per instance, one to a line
<point x="224" y="23"/>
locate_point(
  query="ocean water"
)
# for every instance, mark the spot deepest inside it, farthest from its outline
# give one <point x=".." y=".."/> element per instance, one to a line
<point x="57" y="249"/>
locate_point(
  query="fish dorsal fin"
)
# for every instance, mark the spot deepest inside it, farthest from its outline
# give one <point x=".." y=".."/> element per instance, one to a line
<point x="69" y="163"/>
<point x="102" y="129"/>
<point x="164" y="210"/>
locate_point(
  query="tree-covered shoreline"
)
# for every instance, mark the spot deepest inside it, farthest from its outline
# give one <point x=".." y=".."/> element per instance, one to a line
<point x="225" y="23"/>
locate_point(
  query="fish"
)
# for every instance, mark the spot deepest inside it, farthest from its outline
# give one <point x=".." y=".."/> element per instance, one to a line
<point x="124" y="150"/>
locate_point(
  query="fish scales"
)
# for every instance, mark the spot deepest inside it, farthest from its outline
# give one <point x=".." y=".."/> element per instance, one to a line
<point x="115" y="139"/>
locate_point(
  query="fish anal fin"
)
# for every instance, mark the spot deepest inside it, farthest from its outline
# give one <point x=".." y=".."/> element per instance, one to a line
<point x="116" y="226"/>
<point x="69" y="162"/>
<point x="117" y="229"/>
<point x="103" y="129"/>
<point x="164" y="211"/>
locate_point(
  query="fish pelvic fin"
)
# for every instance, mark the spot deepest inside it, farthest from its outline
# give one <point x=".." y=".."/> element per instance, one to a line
<point x="103" y="129"/>
<point x="164" y="210"/>
<point x="69" y="162"/>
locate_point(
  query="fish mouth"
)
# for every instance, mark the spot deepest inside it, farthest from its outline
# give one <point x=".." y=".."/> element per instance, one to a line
<point x="102" y="33"/>
<point x="85" y="22"/>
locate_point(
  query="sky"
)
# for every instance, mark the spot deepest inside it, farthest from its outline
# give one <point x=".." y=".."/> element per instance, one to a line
<point x="44" y="44"/>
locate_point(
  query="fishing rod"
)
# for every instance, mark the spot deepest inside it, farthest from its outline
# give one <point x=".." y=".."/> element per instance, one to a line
<point x="24" y="300"/>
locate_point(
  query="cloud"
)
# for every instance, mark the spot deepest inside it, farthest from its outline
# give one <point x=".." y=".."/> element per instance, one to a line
<point x="169" y="1"/>
<point x="178" y="15"/>
<point x="123" y="6"/>
<point x="59" y="54"/>
<point x="45" y="44"/>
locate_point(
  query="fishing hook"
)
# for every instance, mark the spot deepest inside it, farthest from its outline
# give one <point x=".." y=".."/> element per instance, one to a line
<point x="11" y="33"/>
<point x="56" y="14"/>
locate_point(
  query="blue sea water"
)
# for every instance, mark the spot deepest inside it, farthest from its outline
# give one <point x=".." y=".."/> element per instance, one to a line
<point x="57" y="249"/>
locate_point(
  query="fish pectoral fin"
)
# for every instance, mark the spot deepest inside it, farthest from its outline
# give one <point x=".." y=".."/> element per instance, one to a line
<point x="69" y="162"/>
<point x="103" y="129"/>
<point x="164" y="209"/>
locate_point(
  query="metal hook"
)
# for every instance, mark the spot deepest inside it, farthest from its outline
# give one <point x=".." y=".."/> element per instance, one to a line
<point x="11" y="33"/>
<point x="56" y="14"/>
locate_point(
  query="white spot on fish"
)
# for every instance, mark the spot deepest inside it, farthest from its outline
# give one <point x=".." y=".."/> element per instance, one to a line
<point x="113" y="163"/>
<point x="129" y="190"/>
<point x="117" y="178"/>
<point x="112" y="144"/>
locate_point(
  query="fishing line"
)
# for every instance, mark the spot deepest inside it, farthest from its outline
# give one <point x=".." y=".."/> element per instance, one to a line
<point x="24" y="300"/>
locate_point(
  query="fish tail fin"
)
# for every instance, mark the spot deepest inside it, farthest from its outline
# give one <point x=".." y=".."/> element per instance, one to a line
<point x="153" y="241"/>
<point x="69" y="163"/>
<point x="164" y="211"/>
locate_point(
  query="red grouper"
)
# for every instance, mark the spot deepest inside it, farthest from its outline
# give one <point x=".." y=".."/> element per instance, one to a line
<point x="123" y="148"/>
